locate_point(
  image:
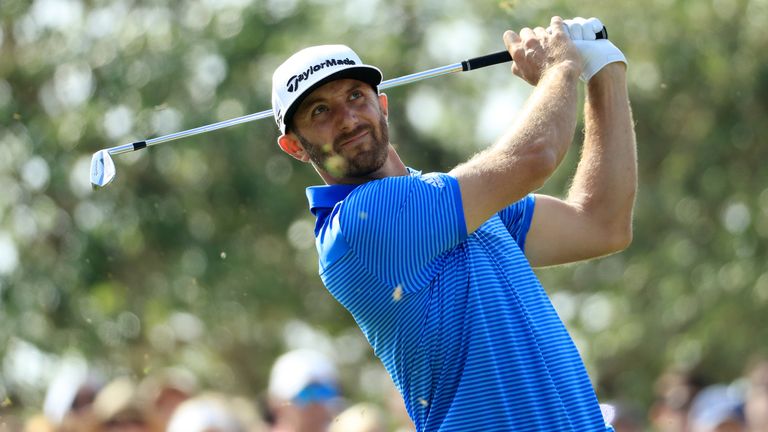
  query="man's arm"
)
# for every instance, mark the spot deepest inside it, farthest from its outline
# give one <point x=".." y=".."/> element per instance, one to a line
<point x="596" y="217"/>
<point x="529" y="153"/>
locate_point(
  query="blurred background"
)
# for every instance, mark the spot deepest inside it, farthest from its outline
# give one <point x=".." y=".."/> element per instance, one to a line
<point x="201" y="252"/>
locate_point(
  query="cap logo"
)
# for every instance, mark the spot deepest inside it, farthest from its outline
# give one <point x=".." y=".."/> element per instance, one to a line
<point x="295" y="81"/>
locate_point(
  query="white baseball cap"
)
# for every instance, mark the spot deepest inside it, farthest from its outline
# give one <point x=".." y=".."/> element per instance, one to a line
<point x="310" y="68"/>
<point x="295" y="370"/>
<point x="210" y="411"/>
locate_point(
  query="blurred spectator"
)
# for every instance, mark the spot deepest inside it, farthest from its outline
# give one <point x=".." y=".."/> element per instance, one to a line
<point x="626" y="416"/>
<point x="117" y="408"/>
<point x="717" y="408"/>
<point x="162" y="391"/>
<point x="9" y="420"/>
<point x="674" y="390"/>
<point x="756" y="406"/>
<point x="397" y="413"/>
<point x="304" y="394"/>
<point x="362" y="417"/>
<point x="38" y="423"/>
<point x="70" y="396"/>
<point x="213" y="412"/>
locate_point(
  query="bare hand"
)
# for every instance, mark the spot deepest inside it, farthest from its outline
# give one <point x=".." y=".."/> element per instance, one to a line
<point x="536" y="51"/>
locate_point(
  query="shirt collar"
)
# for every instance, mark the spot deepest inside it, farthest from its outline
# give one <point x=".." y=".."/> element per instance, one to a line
<point x="327" y="196"/>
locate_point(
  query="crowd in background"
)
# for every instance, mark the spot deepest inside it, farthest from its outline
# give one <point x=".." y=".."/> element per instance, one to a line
<point x="684" y="401"/>
<point x="304" y="395"/>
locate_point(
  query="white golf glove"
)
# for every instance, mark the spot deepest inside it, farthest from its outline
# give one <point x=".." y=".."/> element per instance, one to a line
<point x="596" y="52"/>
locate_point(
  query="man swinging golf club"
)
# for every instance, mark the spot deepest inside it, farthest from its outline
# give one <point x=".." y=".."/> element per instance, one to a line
<point x="437" y="268"/>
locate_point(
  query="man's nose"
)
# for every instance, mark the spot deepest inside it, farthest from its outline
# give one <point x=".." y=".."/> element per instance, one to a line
<point x="346" y="118"/>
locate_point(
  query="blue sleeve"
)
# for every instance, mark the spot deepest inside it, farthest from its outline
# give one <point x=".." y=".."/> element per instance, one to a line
<point x="517" y="218"/>
<point x="397" y="226"/>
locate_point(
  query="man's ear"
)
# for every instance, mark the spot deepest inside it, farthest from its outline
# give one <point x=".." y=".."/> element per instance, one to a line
<point x="291" y="145"/>
<point x="384" y="104"/>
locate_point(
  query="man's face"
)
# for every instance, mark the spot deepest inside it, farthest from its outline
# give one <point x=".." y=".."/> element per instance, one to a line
<point x="343" y="128"/>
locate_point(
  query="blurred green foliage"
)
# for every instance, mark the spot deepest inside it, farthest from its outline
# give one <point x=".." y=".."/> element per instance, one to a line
<point x="200" y="253"/>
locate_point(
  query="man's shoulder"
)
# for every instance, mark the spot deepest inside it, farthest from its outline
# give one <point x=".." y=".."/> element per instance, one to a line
<point x="438" y="179"/>
<point x="397" y="190"/>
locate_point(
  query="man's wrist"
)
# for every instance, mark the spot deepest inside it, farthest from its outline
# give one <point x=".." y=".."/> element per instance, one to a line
<point x="610" y="73"/>
<point x="569" y="68"/>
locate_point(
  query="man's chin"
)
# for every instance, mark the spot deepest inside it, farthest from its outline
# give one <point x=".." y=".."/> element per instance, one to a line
<point x="366" y="170"/>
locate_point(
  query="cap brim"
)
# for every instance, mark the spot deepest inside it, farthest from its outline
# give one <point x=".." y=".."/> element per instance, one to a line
<point x="316" y="393"/>
<point x="367" y="74"/>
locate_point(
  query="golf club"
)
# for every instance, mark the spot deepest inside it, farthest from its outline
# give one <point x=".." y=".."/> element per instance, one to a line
<point x="103" y="168"/>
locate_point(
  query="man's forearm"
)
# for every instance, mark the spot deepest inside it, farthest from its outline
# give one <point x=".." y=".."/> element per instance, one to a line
<point x="543" y="130"/>
<point x="526" y="156"/>
<point x="606" y="179"/>
<point x="549" y="117"/>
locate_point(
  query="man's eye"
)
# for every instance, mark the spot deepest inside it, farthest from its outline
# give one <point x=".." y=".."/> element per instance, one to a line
<point x="319" y="110"/>
<point x="356" y="94"/>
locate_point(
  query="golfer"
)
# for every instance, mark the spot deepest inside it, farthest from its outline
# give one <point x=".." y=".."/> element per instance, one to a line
<point x="436" y="268"/>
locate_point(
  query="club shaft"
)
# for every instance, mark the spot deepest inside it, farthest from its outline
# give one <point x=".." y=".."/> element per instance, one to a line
<point x="125" y="148"/>
<point x="419" y="76"/>
<point x="394" y="82"/>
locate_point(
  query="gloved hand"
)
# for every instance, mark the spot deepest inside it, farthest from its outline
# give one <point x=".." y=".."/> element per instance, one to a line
<point x="596" y="52"/>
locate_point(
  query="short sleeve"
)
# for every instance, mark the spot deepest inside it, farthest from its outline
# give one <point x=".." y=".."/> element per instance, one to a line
<point x="517" y="218"/>
<point x="398" y="226"/>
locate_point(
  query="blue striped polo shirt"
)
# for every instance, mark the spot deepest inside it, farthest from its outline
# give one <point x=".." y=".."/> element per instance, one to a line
<point x="460" y="322"/>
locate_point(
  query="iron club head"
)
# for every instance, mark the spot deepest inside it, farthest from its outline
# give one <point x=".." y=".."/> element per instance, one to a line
<point x="102" y="169"/>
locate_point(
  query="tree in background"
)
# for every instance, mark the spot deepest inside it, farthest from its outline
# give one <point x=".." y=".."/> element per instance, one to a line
<point x="197" y="253"/>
